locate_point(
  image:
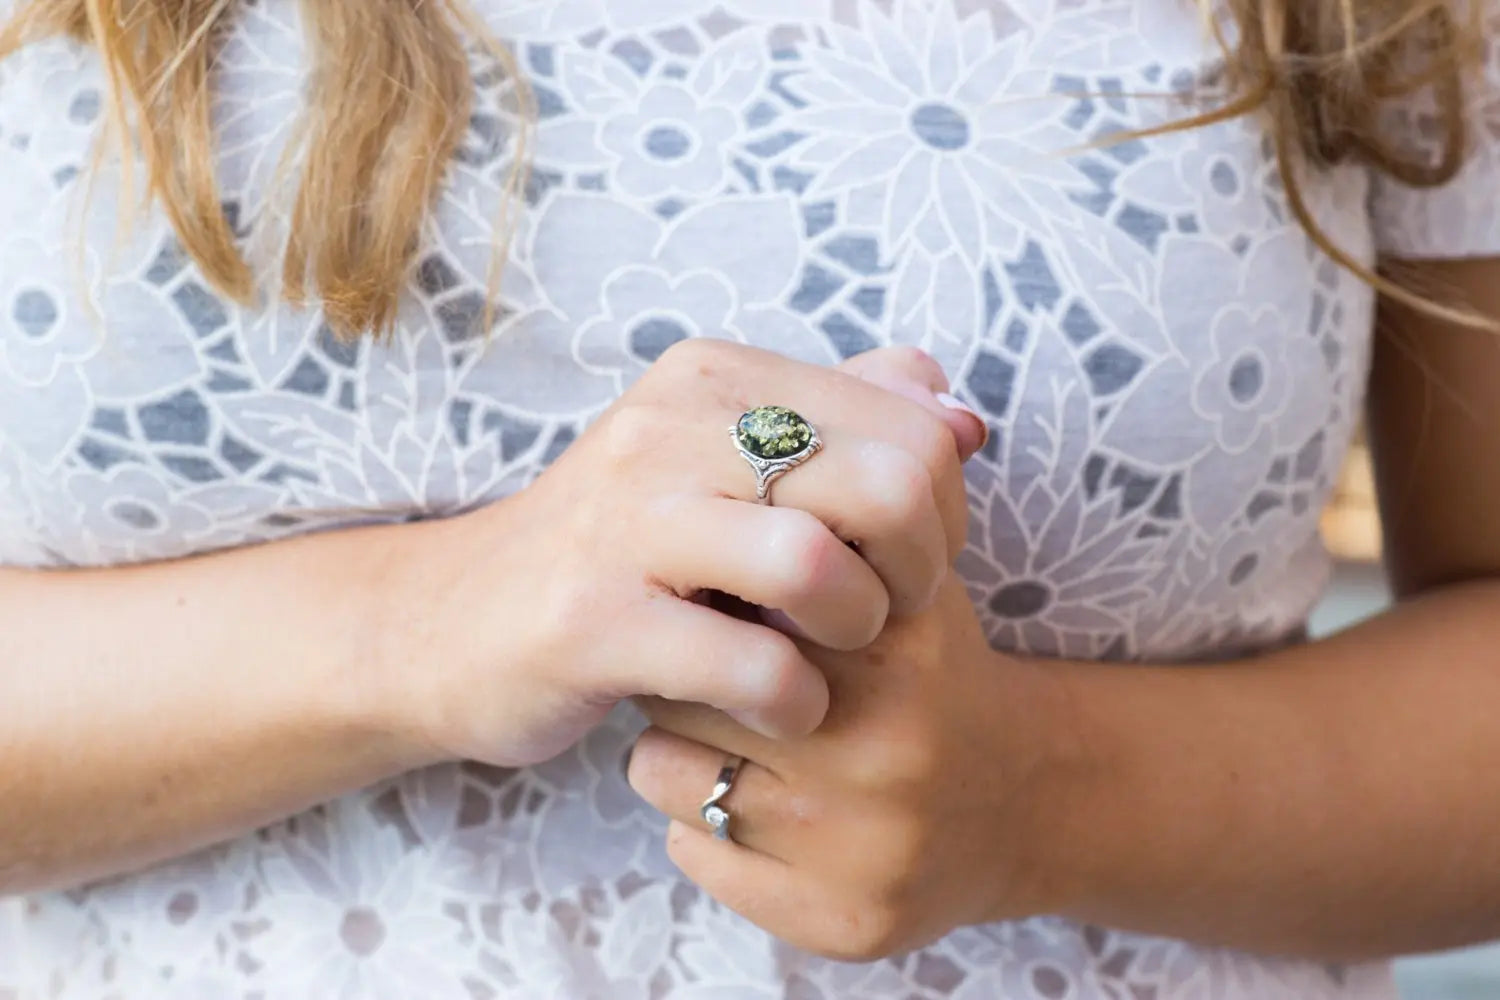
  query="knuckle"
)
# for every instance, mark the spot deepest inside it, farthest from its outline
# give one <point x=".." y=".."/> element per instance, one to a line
<point x="775" y="671"/>
<point x="807" y="556"/>
<point x="630" y="431"/>
<point x="936" y="448"/>
<point x="894" y="764"/>
<point x="899" y="490"/>
<point x="861" y="932"/>
<point x="914" y="764"/>
<point x="553" y="612"/>
<point x="915" y="362"/>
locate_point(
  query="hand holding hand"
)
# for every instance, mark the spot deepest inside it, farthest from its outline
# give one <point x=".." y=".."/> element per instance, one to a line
<point x="518" y="626"/>
<point x="908" y="813"/>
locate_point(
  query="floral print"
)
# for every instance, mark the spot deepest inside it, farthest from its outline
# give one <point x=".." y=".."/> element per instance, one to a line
<point x="350" y="912"/>
<point x="1170" y="369"/>
<point x="937" y="145"/>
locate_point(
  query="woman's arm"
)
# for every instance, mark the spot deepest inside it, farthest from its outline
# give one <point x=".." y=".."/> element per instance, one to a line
<point x="148" y="710"/>
<point x="1339" y="799"/>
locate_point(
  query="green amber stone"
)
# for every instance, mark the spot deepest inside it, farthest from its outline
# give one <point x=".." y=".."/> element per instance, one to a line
<point x="773" y="432"/>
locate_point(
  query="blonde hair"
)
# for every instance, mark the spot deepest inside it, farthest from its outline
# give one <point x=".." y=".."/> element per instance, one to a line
<point x="391" y="89"/>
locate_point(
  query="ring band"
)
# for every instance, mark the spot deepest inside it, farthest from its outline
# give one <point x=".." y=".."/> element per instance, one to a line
<point x="715" y="815"/>
<point x="774" y="440"/>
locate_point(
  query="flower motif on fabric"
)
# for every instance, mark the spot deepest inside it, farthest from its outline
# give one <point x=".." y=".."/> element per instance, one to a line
<point x="1258" y="376"/>
<point x="1056" y="557"/>
<point x="61" y="90"/>
<point x="1243" y="387"/>
<point x="1039" y="600"/>
<point x="669" y="144"/>
<point x="658" y="133"/>
<point x="587" y="823"/>
<point x="937" y="144"/>
<point x="52" y="925"/>
<point x="350" y="911"/>
<point x="140" y="508"/>
<point x="1233" y="204"/>
<point x="594" y="945"/>
<point x="647" y="312"/>
<point x="644" y="284"/>
<point x="39" y="286"/>
<point x="184" y="909"/>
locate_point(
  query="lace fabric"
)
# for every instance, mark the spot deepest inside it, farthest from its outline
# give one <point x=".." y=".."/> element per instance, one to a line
<point x="1170" y="370"/>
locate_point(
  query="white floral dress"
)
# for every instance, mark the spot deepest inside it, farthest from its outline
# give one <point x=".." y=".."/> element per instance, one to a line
<point x="1170" y="370"/>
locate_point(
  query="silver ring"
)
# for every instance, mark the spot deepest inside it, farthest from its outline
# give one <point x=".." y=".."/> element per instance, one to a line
<point x="774" y="440"/>
<point x="715" y="815"/>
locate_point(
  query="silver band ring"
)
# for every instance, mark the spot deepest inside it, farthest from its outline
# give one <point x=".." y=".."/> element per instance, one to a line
<point x="714" y="814"/>
<point x="774" y="440"/>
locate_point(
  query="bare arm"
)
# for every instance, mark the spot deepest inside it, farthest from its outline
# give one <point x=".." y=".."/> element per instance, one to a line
<point x="145" y="711"/>
<point x="1340" y="799"/>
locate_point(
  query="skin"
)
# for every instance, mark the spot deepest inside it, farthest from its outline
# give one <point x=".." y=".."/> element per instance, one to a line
<point x="1335" y="800"/>
<point x="146" y="711"/>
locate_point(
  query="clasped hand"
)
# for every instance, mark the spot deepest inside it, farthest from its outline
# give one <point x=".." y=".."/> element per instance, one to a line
<point x="906" y="814"/>
<point x="862" y="694"/>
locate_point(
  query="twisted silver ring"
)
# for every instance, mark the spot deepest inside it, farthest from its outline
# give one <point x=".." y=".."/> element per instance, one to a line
<point x="774" y="440"/>
<point x="715" y="815"/>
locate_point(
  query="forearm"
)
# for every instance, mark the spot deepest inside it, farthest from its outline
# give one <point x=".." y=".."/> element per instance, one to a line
<point x="1338" y="799"/>
<point x="146" y="711"/>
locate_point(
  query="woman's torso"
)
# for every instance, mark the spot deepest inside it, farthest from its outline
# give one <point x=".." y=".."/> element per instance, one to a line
<point x="1170" y="370"/>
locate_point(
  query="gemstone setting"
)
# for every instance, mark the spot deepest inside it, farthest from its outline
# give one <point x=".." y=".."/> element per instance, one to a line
<point x="774" y="433"/>
<point x="774" y="440"/>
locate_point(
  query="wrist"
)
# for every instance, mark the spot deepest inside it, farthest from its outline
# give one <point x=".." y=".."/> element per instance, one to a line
<point x="1061" y="768"/>
<point x="1156" y="775"/>
<point x="401" y="590"/>
<point x="457" y="635"/>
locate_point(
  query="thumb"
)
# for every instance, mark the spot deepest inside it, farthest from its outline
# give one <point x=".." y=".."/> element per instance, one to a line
<point x="915" y="375"/>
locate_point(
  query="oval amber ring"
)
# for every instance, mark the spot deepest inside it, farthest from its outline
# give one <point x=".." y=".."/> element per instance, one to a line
<point x="774" y="440"/>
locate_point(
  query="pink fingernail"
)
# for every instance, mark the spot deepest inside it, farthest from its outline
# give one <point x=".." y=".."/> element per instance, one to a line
<point x="954" y="403"/>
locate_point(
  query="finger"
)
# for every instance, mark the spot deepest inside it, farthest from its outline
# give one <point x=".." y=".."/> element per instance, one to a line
<point x="913" y="364"/>
<point x="711" y="727"/>
<point x="840" y="406"/>
<point x="779" y="558"/>
<point x="785" y="900"/>
<point x="878" y="496"/>
<point x="868" y="490"/>
<point x="675" y="775"/>
<point x="687" y="652"/>
<point x="915" y="375"/>
<point x="970" y="431"/>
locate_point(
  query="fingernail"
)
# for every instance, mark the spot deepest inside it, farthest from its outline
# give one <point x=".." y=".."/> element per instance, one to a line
<point x="753" y="722"/>
<point x="952" y="402"/>
<point x="782" y="622"/>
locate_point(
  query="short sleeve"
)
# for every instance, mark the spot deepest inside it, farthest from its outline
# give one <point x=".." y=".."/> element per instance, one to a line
<point x="1462" y="217"/>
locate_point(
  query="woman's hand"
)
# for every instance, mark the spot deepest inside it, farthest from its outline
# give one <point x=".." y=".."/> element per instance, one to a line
<point x="520" y="625"/>
<point x="342" y="658"/>
<point x="907" y="814"/>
